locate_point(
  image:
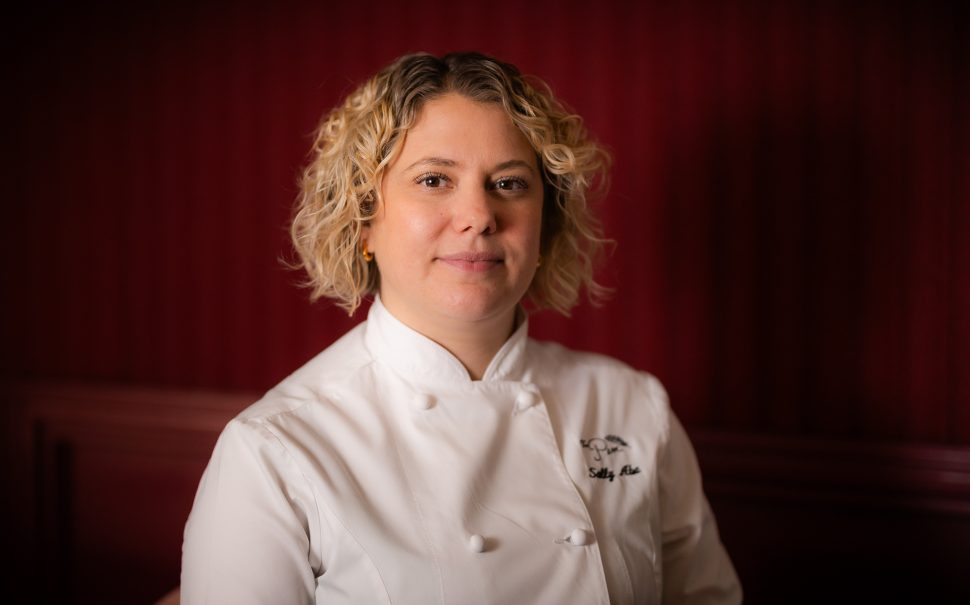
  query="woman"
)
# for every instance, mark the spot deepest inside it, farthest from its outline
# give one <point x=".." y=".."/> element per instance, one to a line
<point x="436" y="454"/>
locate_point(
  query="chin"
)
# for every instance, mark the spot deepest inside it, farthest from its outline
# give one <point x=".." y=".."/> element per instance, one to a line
<point x="474" y="307"/>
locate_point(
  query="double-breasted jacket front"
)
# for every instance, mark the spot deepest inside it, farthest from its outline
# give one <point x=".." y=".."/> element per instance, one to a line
<point x="381" y="473"/>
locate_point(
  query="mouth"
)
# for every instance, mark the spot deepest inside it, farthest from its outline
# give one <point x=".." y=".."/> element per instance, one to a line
<point x="474" y="262"/>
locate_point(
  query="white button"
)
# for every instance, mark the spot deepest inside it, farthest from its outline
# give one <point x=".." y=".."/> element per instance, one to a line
<point x="526" y="400"/>
<point x="423" y="401"/>
<point x="476" y="543"/>
<point x="579" y="537"/>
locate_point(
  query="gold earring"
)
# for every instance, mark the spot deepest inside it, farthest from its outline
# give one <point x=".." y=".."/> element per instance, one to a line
<point x="539" y="261"/>
<point x="367" y="254"/>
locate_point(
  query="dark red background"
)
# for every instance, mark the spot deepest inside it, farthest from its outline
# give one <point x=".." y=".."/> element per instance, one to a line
<point x="790" y="199"/>
<point x="790" y="196"/>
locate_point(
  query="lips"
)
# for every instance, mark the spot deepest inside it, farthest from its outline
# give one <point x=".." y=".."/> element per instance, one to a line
<point x="475" y="262"/>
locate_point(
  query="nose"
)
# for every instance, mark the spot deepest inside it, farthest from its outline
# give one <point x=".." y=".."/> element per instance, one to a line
<point x="474" y="212"/>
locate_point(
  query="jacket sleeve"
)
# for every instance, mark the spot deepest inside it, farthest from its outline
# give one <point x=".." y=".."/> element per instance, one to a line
<point x="696" y="568"/>
<point x="247" y="538"/>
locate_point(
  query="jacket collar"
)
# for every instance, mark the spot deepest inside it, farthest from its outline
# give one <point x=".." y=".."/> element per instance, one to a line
<point x="416" y="356"/>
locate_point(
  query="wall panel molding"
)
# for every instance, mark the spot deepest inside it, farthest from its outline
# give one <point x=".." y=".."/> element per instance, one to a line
<point x="836" y="521"/>
<point x="925" y="477"/>
<point x="107" y="475"/>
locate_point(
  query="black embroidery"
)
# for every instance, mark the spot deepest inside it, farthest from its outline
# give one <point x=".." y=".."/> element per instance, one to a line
<point x="603" y="450"/>
<point x="629" y="470"/>
<point x="605" y="472"/>
<point x="602" y="472"/>
<point x="600" y="447"/>
<point x="616" y="439"/>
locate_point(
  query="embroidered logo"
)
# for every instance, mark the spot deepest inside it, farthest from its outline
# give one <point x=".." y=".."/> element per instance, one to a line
<point x="605" y="452"/>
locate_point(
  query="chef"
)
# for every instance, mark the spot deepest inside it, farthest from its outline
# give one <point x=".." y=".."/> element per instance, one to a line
<point x="435" y="453"/>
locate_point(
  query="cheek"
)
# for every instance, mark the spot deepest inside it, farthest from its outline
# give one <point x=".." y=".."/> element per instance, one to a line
<point x="409" y="230"/>
<point x="537" y="221"/>
<point x="419" y="227"/>
<point x="529" y="223"/>
<point x="423" y="226"/>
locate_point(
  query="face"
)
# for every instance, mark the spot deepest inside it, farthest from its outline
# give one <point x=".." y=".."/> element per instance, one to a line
<point x="456" y="238"/>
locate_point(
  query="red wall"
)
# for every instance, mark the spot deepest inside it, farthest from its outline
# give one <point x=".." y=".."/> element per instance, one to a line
<point x="791" y="194"/>
<point x="790" y="201"/>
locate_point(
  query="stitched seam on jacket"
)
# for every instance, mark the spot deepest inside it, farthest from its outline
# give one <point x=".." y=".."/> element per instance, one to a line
<point x="317" y="504"/>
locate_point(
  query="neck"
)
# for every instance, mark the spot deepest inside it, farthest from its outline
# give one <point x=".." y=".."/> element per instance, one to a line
<point x="474" y="344"/>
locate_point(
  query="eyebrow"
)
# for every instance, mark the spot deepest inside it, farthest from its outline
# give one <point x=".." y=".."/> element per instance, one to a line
<point x="515" y="164"/>
<point x="436" y="161"/>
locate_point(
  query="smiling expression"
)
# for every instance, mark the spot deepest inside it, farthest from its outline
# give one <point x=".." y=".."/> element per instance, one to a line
<point x="456" y="237"/>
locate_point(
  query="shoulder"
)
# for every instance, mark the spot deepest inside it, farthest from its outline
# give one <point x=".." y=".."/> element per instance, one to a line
<point x="319" y="381"/>
<point x="608" y="378"/>
<point x="565" y="362"/>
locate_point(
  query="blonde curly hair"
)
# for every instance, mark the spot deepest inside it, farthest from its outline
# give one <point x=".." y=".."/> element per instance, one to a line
<point x="356" y="141"/>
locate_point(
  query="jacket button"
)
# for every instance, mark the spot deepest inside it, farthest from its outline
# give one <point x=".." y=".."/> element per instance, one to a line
<point x="525" y="400"/>
<point x="476" y="543"/>
<point x="579" y="537"/>
<point x="423" y="401"/>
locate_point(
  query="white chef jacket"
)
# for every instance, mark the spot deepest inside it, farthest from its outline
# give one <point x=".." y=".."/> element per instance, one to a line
<point x="381" y="473"/>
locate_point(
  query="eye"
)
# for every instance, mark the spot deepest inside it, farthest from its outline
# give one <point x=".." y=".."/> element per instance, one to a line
<point x="511" y="183"/>
<point x="432" y="180"/>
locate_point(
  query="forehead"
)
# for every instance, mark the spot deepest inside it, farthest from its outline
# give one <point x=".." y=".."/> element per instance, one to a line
<point x="464" y="130"/>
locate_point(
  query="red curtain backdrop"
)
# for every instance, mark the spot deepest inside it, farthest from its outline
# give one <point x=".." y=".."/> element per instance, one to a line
<point x="790" y="196"/>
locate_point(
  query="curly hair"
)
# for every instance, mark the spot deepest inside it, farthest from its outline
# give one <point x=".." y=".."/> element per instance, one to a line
<point x="356" y="141"/>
